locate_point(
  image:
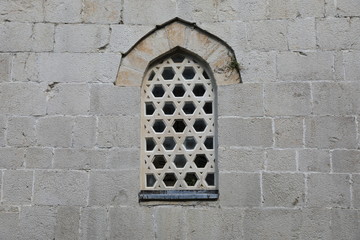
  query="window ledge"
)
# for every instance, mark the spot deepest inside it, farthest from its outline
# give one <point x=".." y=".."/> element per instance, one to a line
<point x="178" y="195"/>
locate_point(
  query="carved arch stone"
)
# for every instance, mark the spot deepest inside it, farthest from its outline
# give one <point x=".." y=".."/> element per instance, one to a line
<point x="173" y="35"/>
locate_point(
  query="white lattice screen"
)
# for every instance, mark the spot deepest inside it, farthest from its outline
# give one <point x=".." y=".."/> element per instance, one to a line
<point x="178" y="126"/>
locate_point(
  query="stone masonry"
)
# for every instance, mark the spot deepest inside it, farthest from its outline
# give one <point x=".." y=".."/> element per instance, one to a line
<point x="288" y="134"/>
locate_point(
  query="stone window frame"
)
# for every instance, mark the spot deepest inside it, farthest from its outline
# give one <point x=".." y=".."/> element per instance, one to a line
<point x="178" y="35"/>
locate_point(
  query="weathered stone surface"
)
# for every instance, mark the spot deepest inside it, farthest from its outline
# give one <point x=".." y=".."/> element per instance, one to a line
<point x="314" y="160"/>
<point x="242" y="10"/>
<point x="93" y="223"/>
<point x="3" y="123"/>
<point x="63" y="11"/>
<point x="38" y="157"/>
<point x="201" y="11"/>
<point x="293" y="9"/>
<point x="330" y="132"/>
<point x="315" y="223"/>
<point x="300" y="66"/>
<point x="21" y="131"/>
<point x="280" y="160"/>
<point x="346" y="161"/>
<point x="171" y="228"/>
<point x="118" y="131"/>
<point x="61" y="188"/>
<point x="289" y="132"/>
<point x="69" y="99"/>
<point x="5" y="67"/>
<point x="253" y="132"/>
<point x="80" y="158"/>
<point x="55" y="131"/>
<point x="81" y="37"/>
<point x="328" y="190"/>
<point x="104" y="11"/>
<point x="25" y="68"/>
<point x="302" y="34"/>
<point x="67" y="222"/>
<point x="11" y="158"/>
<point x="123" y="159"/>
<point x="113" y="188"/>
<point x="283" y="189"/>
<point x="17" y="187"/>
<point x="231" y="184"/>
<point x="356" y="190"/>
<point x="84" y="131"/>
<point x="352" y="65"/>
<point x="78" y="67"/>
<point x="349" y="8"/>
<point x="287" y="99"/>
<point x="22" y="99"/>
<point x="110" y="100"/>
<point x="246" y="100"/>
<point x="22" y="11"/>
<point x="233" y="159"/>
<point x="345" y="224"/>
<point x="9" y="225"/>
<point x="271" y="224"/>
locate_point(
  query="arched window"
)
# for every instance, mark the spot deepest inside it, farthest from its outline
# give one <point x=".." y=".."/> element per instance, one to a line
<point x="178" y="135"/>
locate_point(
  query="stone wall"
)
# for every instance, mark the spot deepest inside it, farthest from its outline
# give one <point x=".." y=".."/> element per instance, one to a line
<point x="289" y="163"/>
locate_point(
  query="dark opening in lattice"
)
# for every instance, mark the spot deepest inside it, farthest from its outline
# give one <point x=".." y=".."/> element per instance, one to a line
<point x="169" y="179"/>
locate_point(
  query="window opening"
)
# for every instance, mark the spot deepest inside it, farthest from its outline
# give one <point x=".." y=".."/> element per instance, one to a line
<point x="178" y="159"/>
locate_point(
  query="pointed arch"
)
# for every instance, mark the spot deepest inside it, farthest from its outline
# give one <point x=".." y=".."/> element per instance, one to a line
<point x="171" y="36"/>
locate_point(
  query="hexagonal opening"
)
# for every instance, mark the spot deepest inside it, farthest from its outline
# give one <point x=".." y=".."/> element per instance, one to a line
<point x="208" y="107"/>
<point x="199" y="125"/>
<point x="159" y="126"/>
<point x="151" y="76"/>
<point x="210" y="179"/>
<point x="150" y="180"/>
<point x="178" y="90"/>
<point x="190" y="143"/>
<point x="180" y="161"/>
<point x="150" y="144"/>
<point x="199" y="90"/>
<point x="206" y="76"/>
<point x="188" y="73"/>
<point x="169" y="108"/>
<point x="178" y="58"/>
<point x="189" y="108"/>
<point x="168" y="73"/>
<point x="169" y="179"/>
<point x="158" y="90"/>
<point x="209" y="143"/>
<point x="179" y="125"/>
<point x="159" y="161"/>
<point x="169" y="143"/>
<point x="149" y="108"/>
<point x="191" y="179"/>
<point x="201" y="160"/>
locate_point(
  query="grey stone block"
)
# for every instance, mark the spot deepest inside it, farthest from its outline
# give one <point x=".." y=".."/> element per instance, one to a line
<point x="5" y="67"/>
<point x="81" y="37"/>
<point x="242" y="10"/>
<point x="124" y="159"/>
<point x="24" y="68"/>
<point x="171" y="227"/>
<point x="69" y="99"/>
<point x="78" y="67"/>
<point x="287" y="99"/>
<point x="338" y="33"/>
<point x="38" y="157"/>
<point x="289" y="132"/>
<point x="104" y="11"/>
<point x="346" y="161"/>
<point x="314" y="160"/>
<point x="262" y="224"/>
<point x="118" y="131"/>
<point x="22" y="99"/>
<point x="64" y="11"/>
<point x="356" y="190"/>
<point x="9" y="225"/>
<point x="43" y="37"/>
<point x="114" y="100"/>
<point x="138" y="223"/>
<point x="200" y="11"/>
<point x="336" y="98"/>
<point x="113" y="188"/>
<point x="22" y="11"/>
<point x="37" y="222"/>
<point x="67" y="223"/>
<point x="352" y="65"/>
<point x="330" y="132"/>
<point x="345" y="224"/>
<point x="349" y="8"/>
<point x="3" y="124"/>
<point x="328" y="190"/>
<point x="280" y="160"/>
<point x="80" y="158"/>
<point x="214" y="223"/>
<point x="267" y="35"/>
<point x="239" y="189"/>
<point x="21" y="131"/>
<point x="11" y="158"/>
<point x="245" y="132"/>
<point x="93" y="223"/>
<point x="17" y="187"/>
<point x="315" y="223"/>
<point x="302" y="34"/>
<point x="123" y="36"/>
<point x="84" y="132"/>
<point x="55" y="131"/>
<point x="233" y="159"/>
<point x="61" y="188"/>
<point x="241" y="100"/>
<point x="294" y="9"/>
<point x="283" y="189"/>
<point x="300" y="66"/>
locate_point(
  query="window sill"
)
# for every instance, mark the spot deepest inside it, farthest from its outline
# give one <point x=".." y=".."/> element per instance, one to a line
<point x="178" y="195"/>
